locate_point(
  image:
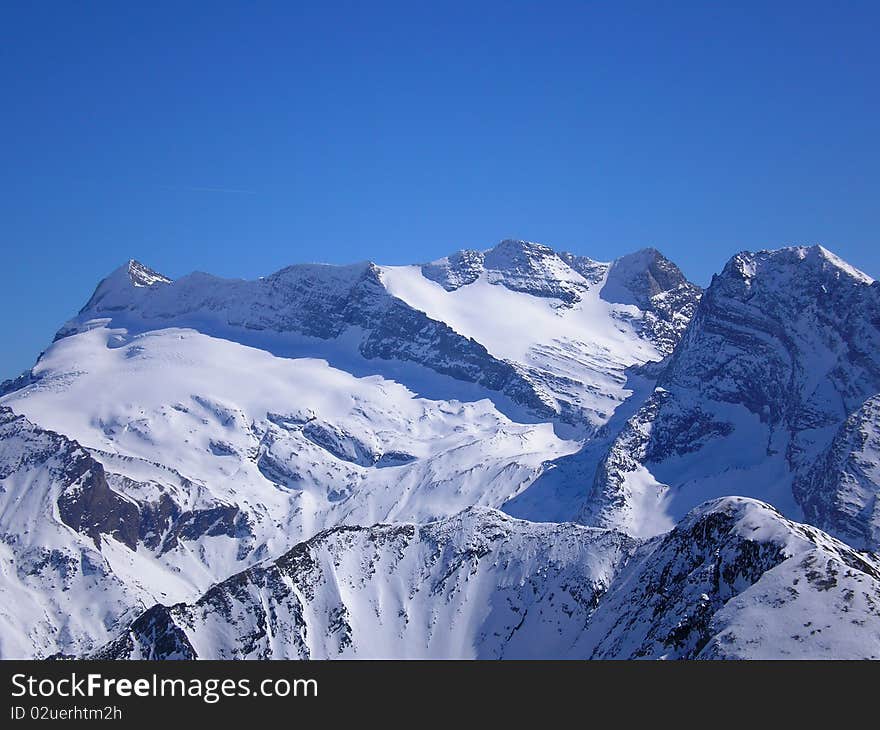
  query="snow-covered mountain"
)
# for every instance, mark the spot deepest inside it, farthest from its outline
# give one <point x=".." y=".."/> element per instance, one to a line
<point x="840" y="488"/>
<point x="578" y="331"/>
<point x="783" y="349"/>
<point x="178" y="435"/>
<point x="733" y="580"/>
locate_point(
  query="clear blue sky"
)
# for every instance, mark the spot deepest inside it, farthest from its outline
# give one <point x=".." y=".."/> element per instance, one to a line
<point x="240" y="137"/>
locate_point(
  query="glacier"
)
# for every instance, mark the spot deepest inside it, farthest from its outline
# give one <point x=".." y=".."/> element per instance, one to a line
<point x="510" y="453"/>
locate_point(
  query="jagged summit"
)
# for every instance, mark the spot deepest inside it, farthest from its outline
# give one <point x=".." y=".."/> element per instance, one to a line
<point x="121" y="285"/>
<point x="790" y="259"/>
<point x="834" y="259"/>
<point x="519" y="246"/>
<point x="134" y="273"/>
<point x="552" y="314"/>
<point x="533" y="269"/>
<point x="540" y="366"/>
<point x="514" y="252"/>
<point x="637" y="277"/>
<point x="519" y="265"/>
<point x="141" y="275"/>
<point x="539" y="270"/>
<point x="783" y="347"/>
<point x="253" y="436"/>
<point x="721" y="584"/>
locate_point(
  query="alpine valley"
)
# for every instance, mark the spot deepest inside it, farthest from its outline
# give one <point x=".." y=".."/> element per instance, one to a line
<point x="511" y="453"/>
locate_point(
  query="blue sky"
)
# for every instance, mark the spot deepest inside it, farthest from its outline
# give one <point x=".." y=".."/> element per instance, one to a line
<point x="237" y="138"/>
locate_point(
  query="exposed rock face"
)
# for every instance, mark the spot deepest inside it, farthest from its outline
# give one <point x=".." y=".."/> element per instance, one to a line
<point x="13" y="384"/>
<point x="656" y="285"/>
<point x="791" y="334"/>
<point x="313" y="300"/>
<point x="645" y="279"/>
<point x="593" y="271"/>
<point x="840" y="491"/>
<point x="520" y="266"/>
<point x="86" y="503"/>
<point x="44" y="474"/>
<point x="483" y="585"/>
<point x="736" y="580"/>
<point x="532" y="269"/>
<point x="399" y="332"/>
<point x="784" y="345"/>
<point x="53" y="572"/>
<point x="478" y="584"/>
<point x="459" y="269"/>
<point x="152" y="636"/>
<point x="223" y="450"/>
<point x="351" y="304"/>
<point x="133" y="275"/>
<point x="606" y="317"/>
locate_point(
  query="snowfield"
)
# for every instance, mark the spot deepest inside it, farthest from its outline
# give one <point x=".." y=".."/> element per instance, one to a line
<point x="501" y="454"/>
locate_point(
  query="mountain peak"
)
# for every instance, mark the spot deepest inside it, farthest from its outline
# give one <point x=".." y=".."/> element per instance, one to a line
<point x="835" y="260"/>
<point x="646" y="260"/>
<point x="520" y="265"/>
<point x="116" y="287"/>
<point x="792" y="261"/>
<point x="533" y="268"/>
<point x="636" y="277"/>
<point x="142" y="275"/>
<point x="512" y="247"/>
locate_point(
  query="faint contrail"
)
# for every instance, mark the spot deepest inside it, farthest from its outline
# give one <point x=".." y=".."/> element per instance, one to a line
<point x="210" y="190"/>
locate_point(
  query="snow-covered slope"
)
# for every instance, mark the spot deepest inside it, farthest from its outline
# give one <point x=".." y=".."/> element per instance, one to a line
<point x="734" y="580"/>
<point x="476" y="585"/>
<point x="579" y="327"/>
<point x="784" y="346"/>
<point x="842" y="488"/>
<point x="177" y="433"/>
<point x="231" y="419"/>
<point x="225" y="454"/>
<point x="579" y="324"/>
<point x="317" y="310"/>
<point x="58" y="589"/>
